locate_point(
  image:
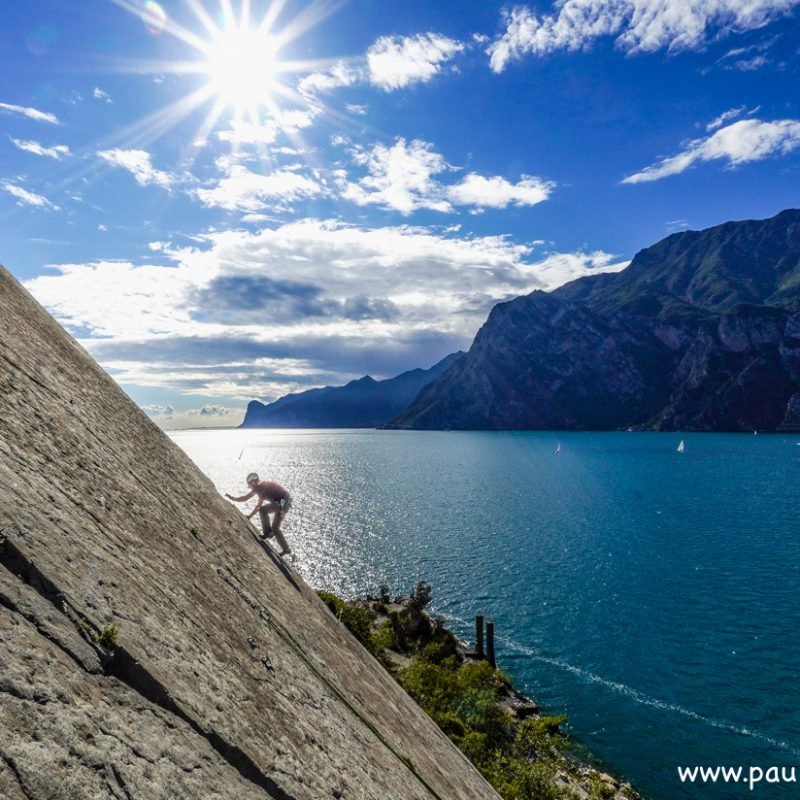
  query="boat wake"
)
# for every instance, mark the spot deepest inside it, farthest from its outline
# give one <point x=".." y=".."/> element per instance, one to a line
<point x="644" y="699"/>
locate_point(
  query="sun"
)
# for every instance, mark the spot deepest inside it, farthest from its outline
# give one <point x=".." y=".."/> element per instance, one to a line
<point x="242" y="67"/>
<point x="236" y="54"/>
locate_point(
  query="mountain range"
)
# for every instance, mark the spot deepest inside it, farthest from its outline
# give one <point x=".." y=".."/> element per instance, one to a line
<point x="362" y="403"/>
<point x="700" y="332"/>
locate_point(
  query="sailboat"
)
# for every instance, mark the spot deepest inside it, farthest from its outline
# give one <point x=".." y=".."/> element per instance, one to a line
<point x="558" y="448"/>
<point x="681" y="447"/>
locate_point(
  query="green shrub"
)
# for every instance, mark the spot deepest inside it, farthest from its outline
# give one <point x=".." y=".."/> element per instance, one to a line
<point x="599" y="790"/>
<point x="355" y="616"/>
<point x="522" y="780"/>
<point x="434" y="653"/>
<point x="358" y="621"/>
<point x="333" y="602"/>
<point x="520" y="759"/>
<point x="108" y="637"/>
<point x="481" y="675"/>
<point x="382" y="639"/>
<point x="433" y="686"/>
<point x="541" y="738"/>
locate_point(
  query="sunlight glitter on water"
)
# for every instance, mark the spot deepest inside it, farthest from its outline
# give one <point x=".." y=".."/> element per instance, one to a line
<point x="649" y="594"/>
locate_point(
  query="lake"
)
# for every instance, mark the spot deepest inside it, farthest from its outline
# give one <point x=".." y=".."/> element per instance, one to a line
<point x="650" y="595"/>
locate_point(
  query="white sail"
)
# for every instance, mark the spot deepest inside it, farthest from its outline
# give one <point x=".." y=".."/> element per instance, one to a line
<point x="681" y="447"/>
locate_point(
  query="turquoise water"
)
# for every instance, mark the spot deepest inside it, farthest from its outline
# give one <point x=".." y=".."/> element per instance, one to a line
<point x="650" y="595"/>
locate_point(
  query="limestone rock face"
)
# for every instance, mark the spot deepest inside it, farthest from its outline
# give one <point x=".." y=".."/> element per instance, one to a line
<point x="229" y="678"/>
<point x="699" y="332"/>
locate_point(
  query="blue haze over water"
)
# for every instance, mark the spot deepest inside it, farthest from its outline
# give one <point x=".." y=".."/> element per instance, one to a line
<point x="650" y="595"/>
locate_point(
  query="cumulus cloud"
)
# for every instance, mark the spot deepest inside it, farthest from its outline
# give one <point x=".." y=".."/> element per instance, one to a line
<point x="30" y="113"/>
<point x="99" y="94"/>
<point x="342" y="73"/>
<point x="286" y="121"/>
<point x="739" y="143"/>
<point x="242" y="132"/>
<point x="37" y="149"/>
<point x="638" y="25"/>
<point x="26" y="198"/>
<point x="156" y="410"/>
<point x="210" y="411"/>
<point x="392" y="62"/>
<point x="395" y="62"/>
<point x="476" y="190"/>
<point x="138" y="163"/>
<point x="401" y="177"/>
<point x="243" y="190"/>
<point x="243" y="314"/>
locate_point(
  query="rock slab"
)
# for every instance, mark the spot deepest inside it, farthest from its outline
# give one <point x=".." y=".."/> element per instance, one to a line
<point x="228" y="679"/>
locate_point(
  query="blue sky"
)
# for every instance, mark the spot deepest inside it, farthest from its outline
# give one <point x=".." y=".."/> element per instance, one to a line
<point x="228" y="201"/>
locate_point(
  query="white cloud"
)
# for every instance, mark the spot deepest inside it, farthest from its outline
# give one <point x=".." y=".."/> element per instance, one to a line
<point x="212" y="410"/>
<point x="137" y="162"/>
<point x="750" y="64"/>
<point x="295" y="119"/>
<point x="26" y="198"/>
<point x="392" y="62"/>
<point x="639" y="25"/>
<point x="40" y="150"/>
<point x="401" y="177"/>
<point x="734" y="59"/>
<point x="354" y="108"/>
<point x="242" y="314"/>
<point x="30" y="113"/>
<point x="206" y="416"/>
<point x="99" y="94"/>
<point x="726" y="116"/>
<point x="244" y="190"/>
<point x="497" y="192"/>
<point x="288" y="121"/>
<point x="739" y="143"/>
<point x="395" y="62"/>
<point x="242" y="132"/>
<point x="340" y="74"/>
<point x="156" y="410"/>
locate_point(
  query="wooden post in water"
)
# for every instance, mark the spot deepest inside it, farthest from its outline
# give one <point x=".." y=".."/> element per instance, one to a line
<point x="479" y="636"/>
<point x="490" y="645"/>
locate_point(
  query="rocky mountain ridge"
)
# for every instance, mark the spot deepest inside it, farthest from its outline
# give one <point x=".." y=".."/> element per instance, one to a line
<point x="700" y="332"/>
<point x="362" y="403"/>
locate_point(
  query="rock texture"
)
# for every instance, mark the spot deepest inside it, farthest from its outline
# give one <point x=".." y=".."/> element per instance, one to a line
<point x="229" y="679"/>
<point x="364" y="403"/>
<point x="700" y="332"/>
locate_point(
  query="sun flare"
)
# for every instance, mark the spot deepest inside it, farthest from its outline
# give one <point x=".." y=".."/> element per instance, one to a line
<point x="242" y="67"/>
<point x="238" y="57"/>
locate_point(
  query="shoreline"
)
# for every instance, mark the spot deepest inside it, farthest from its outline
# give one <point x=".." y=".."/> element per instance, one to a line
<point x="524" y="753"/>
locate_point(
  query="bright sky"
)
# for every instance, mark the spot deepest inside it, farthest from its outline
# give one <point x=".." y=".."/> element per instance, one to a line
<point x="226" y="201"/>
